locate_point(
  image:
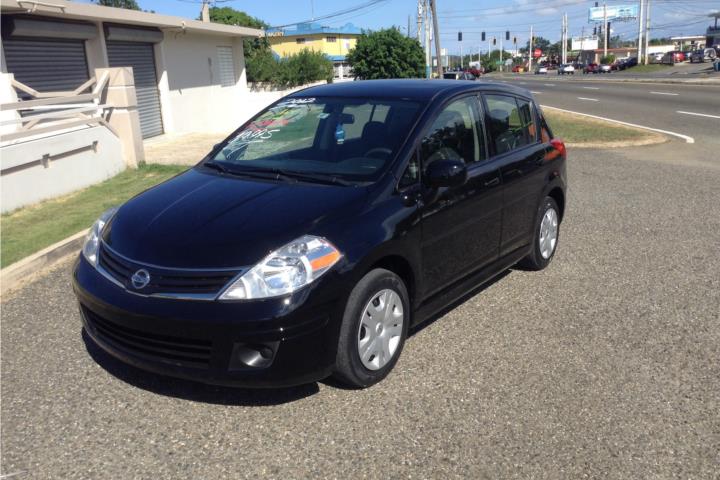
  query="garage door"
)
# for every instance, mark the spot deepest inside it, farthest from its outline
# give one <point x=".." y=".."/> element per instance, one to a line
<point x="47" y="65"/>
<point x="141" y="57"/>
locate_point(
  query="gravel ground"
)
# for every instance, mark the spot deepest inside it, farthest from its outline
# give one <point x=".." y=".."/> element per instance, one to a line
<point x="605" y="365"/>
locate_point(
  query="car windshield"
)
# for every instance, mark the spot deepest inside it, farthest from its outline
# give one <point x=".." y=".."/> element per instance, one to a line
<point x="351" y="139"/>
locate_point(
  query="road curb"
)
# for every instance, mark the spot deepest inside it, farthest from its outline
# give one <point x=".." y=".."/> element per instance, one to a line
<point x="29" y="268"/>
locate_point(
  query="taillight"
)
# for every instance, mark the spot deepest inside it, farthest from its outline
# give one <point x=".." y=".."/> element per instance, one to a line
<point x="559" y="146"/>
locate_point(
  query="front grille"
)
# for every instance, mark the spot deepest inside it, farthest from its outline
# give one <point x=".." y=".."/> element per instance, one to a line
<point x="165" y="348"/>
<point x="164" y="280"/>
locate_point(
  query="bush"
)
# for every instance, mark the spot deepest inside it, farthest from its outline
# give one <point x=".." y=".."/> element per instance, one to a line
<point x="607" y="60"/>
<point x="302" y="68"/>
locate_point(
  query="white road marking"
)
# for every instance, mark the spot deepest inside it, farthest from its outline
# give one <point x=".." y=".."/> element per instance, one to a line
<point x="588" y="99"/>
<point x="664" y="93"/>
<point x="592" y="88"/>
<point x="534" y="92"/>
<point x="522" y="83"/>
<point x="680" y="135"/>
<point x="699" y="114"/>
<point x="549" y="84"/>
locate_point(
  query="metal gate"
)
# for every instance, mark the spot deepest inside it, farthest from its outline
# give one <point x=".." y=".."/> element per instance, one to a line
<point x="141" y="57"/>
<point x="47" y="64"/>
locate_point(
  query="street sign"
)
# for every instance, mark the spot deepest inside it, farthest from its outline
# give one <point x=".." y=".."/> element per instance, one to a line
<point x="537" y="53"/>
<point x="584" y="43"/>
<point x="498" y="63"/>
<point x="508" y="62"/>
<point x="614" y="12"/>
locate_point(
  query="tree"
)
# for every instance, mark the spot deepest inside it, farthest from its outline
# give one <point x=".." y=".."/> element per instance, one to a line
<point x="538" y="42"/>
<point x="387" y="53"/>
<point x="127" y="4"/>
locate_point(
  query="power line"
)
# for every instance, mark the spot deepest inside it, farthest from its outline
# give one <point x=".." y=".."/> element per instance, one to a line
<point x="339" y="13"/>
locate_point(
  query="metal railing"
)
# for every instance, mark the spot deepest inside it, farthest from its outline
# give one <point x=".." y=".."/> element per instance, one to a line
<point x="43" y="113"/>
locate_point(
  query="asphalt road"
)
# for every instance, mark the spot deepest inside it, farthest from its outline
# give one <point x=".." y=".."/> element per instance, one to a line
<point x="605" y="365"/>
<point x="692" y="110"/>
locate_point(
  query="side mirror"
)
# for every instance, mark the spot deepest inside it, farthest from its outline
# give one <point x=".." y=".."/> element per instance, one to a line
<point x="446" y="173"/>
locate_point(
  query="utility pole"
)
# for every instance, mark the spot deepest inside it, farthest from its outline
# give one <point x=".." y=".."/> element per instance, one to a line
<point x="530" y="50"/>
<point x="419" y="18"/>
<point x="502" y="63"/>
<point x="408" y="31"/>
<point x="647" y="31"/>
<point x="605" y="33"/>
<point x="205" y="11"/>
<point x="428" y="53"/>
<point x="436" y="36"/>
<point x="640" y="34"/>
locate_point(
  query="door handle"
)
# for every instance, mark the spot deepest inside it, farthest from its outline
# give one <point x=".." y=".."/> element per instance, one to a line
<point x="493" y="182"/>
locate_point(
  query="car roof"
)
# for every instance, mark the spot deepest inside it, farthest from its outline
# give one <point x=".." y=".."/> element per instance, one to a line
<point x="413" y="89"/>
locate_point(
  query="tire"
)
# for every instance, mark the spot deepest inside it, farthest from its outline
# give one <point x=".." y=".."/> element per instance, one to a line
<point x="539" y="258"/>
<point x="350" y="368"/>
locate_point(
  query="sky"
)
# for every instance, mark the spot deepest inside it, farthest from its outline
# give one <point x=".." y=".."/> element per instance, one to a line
<point x="668" y="17"/>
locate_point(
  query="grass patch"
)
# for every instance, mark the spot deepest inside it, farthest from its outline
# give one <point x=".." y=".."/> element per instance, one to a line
<point x="30" y="229"/>
<point x="649" y="68"/>
<point x="574" y="129"/>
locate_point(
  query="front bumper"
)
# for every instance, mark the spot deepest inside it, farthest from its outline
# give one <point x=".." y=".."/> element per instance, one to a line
<point x="262" y="343"/>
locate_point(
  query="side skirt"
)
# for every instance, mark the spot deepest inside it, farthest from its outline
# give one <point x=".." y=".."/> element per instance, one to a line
<point x="462" y="287"/>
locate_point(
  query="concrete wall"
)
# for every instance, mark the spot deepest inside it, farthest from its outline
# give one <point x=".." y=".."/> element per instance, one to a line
<point x="72" y="160"/>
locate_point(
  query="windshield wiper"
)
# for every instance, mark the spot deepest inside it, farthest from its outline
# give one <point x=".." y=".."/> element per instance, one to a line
<point x="216" y="166"/>
<point x="318" y="178"/>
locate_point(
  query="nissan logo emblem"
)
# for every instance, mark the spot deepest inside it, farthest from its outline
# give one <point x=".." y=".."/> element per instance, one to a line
<point x="140" y="279"/>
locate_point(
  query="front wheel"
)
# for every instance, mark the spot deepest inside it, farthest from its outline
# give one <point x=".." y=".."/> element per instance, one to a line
<point x="374" y="328"/>
<point x="545" y="238"/>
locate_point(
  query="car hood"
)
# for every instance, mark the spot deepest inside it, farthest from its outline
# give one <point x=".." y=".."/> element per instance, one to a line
<point x="207" y="220"/>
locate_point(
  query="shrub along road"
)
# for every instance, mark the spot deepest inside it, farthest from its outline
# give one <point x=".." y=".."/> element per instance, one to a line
<point x="604" y="365"/>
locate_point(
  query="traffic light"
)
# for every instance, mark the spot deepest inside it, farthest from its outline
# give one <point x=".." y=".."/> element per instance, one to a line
<point x="514" y="40"/>
<point x="459" y="36"/>
<point x="494" y="41"/>
<point x="507" y="35"/>
<point x="483" y="36"/>
<point x="594" y="30"/>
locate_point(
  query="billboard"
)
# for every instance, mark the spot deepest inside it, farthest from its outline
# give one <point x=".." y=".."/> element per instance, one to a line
<point x="614" y="13"/>
<point x="584" y="43"/>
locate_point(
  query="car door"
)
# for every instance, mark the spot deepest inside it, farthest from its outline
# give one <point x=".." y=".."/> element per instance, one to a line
<point x="515" y="143"/>
<point x="460" y="225"/>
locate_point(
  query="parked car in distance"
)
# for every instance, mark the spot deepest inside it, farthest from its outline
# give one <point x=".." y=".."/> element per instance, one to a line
<point x="458" y="76"/>
<point x="566" y="69"/>
<point x="671" y="58"/>
<point x="309" y="241"/>
<point x="604" y="68"/>
<point x="591" y="68"/>
<point x="703" y="55"/>
<point x="541" y="70"/>
<point x="518" y="69"/>
<point x="631" y="62"/>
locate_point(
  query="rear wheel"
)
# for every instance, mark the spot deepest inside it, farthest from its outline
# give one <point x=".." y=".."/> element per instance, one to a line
<point x="374" y="328"/>
<point x="545" y="239"/>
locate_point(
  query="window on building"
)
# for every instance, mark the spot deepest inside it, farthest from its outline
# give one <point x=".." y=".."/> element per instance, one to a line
<point x="331" y="39"/>
<point x="299" y="40"/>
<point x="226" y="65"/>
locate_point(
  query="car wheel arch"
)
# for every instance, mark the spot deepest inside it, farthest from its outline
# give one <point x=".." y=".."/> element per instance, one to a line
<point x="557" y="194"/>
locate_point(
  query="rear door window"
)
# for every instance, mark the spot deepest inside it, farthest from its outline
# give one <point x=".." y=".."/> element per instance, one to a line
<point x="511" y="122"/>
<point x="455" y="134"/>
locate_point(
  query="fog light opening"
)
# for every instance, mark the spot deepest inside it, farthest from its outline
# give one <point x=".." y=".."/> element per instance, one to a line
<point x="253" y="355"/>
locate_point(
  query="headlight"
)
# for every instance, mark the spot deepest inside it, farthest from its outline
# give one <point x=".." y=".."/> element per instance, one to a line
<point x="92" y="239"/>
<point x="285" y="270"/>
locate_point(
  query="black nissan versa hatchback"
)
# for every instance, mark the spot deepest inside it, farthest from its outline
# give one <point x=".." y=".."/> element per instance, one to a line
<point x="309" y="241"/>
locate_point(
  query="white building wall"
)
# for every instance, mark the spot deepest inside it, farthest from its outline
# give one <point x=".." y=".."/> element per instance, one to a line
<point x="191" y="95"/>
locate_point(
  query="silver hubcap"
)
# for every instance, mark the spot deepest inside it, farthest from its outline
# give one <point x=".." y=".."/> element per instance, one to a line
<point x="380" y="329"/>
<point x="548" y="233"/>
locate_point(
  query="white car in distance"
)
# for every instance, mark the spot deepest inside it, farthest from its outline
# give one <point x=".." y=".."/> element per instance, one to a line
<point x="566" y="69"/>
